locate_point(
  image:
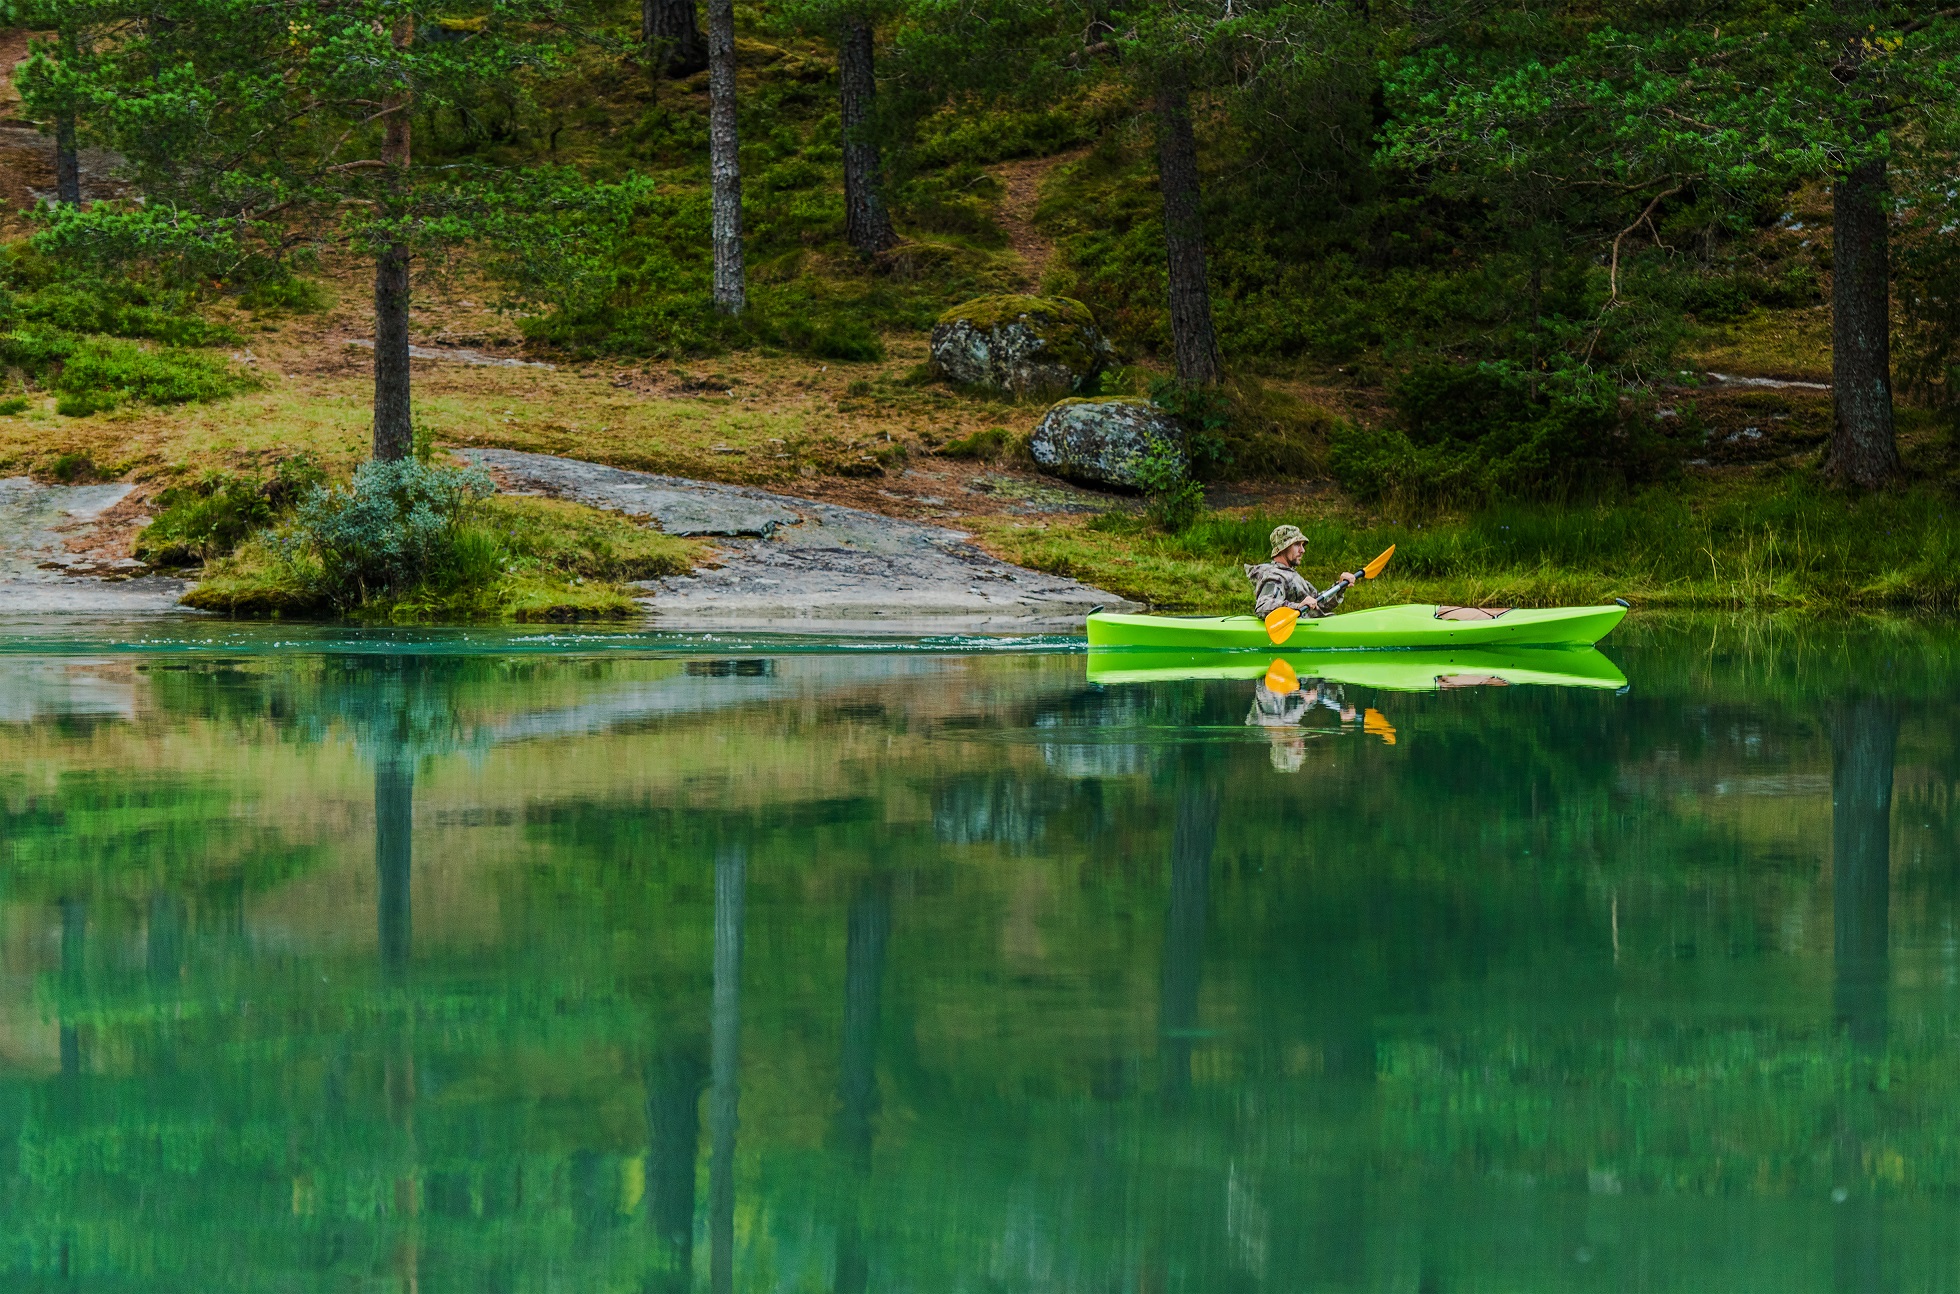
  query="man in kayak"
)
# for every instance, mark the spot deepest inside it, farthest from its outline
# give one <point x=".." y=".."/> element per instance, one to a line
<point x="1277" y="583"/>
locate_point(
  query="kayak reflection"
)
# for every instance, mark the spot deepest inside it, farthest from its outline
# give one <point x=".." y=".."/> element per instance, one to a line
<point x="1417" y="670"/>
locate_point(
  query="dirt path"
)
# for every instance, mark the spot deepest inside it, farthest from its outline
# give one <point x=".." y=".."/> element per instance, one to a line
<point x="1022" y="181"/>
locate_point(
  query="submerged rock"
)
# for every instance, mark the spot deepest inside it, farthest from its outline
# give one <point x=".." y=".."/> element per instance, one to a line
<point x="1105" y="442"/>
<point x="1019" y="345"/>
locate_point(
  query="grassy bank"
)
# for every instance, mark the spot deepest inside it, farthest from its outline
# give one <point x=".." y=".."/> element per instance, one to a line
<point x="1761" y="544"/>
<point x="499" y="558"/>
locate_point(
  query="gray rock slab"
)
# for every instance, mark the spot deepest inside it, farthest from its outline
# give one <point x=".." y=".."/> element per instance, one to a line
<point x="793" y="564"/>
<point x="33" y="518"/>
<point x="39" y="575"/>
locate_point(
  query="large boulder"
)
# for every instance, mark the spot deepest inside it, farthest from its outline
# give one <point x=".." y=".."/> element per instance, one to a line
<point x="1105" y="442"/>
<point x="1019" y="345"/>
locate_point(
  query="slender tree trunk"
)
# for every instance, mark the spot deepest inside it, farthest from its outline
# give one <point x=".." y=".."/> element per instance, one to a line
<point x="672" y="34"/>
<point x="1192" y="336"/>
<point x="724" y="162"/>
<point x="866" y="225"/>
<point x="67" y="162"/>
<point x="394" y="428"/>
<point x="1864" y="450"/>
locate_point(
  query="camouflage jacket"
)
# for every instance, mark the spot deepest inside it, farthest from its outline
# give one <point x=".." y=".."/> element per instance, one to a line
<point x="1275" y="586"/>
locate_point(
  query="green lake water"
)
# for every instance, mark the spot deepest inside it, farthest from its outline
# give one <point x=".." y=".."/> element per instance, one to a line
<point x="479" y="962"/>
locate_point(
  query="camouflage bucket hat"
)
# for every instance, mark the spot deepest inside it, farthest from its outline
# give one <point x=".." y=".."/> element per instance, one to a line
<point x="1284" y="537"/>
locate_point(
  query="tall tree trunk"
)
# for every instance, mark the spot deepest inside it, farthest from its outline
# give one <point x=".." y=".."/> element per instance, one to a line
<point x="724" y="162"/>
<point x="1864" y="450"/>
<point x="394" y="427"/>
<point x="672" y="34"/>
<point x="867" y="227"/>
<point x="67" y="162"/>
<point x="1192" y="336"/>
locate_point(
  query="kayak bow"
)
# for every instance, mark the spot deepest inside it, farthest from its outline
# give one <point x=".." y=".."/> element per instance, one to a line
<point x="1413" y="625"/>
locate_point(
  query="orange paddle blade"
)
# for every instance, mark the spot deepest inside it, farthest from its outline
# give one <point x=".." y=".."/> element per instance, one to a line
<point x="1281" y="678"/>
<point x="1279" y="624"/>
<point x="1374" y="568"/>
<point x="1376" y="724"/>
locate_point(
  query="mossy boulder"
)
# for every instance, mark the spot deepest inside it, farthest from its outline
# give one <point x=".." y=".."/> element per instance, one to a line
<point x="1022" y="346"/>
<point x="1105" y="442"/>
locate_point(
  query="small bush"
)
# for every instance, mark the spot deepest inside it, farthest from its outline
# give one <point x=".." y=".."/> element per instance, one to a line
<point x="396" y="526"/>
<point x="71" y="467"/>
<point x="833" y="338"/>
<point x="299" y="295"/>
<point x="92" y="374"/>
<point x="991" y="444"/>
<point x="1171" y="498"/>
<point x="83" y="404"/>
<point x="215" y="514"/>
<point x="14" y="407"/>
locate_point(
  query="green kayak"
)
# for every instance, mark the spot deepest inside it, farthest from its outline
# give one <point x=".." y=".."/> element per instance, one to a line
<point x="1405" y="670"/>
<point x="1403" y="626"/>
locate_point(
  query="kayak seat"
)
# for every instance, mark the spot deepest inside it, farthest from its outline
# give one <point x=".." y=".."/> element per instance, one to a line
<point x="1470" y="613"/>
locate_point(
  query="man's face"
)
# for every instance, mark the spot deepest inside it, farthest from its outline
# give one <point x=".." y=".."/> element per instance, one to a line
<point x="1293" y="554"/>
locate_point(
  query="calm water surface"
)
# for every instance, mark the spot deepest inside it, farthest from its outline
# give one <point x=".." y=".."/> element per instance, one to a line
<point x="459" y="963"/>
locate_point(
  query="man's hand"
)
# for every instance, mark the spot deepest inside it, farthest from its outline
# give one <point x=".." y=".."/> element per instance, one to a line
<point x="1352" y="577"/>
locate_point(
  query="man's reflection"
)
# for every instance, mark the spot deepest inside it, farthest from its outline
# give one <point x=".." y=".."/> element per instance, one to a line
<point x="1281" y="704"/>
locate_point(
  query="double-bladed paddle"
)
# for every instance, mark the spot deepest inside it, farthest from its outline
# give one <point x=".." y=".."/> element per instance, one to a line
<point x="1280" y="624"/>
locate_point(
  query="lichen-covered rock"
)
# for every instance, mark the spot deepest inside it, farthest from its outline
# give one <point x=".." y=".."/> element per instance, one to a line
<point x="1105" y="442"/>
<point x="1020" y="345"/>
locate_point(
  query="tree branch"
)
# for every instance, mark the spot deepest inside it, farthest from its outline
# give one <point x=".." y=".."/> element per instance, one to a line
<point x="1646" y="218"/>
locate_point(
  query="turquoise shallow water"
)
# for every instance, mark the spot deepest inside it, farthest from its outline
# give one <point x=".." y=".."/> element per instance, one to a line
<point x="461" y="960"/>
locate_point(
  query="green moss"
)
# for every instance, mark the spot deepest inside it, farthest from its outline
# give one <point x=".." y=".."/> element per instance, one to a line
<point x="1038" y="312"/>
<point x="1137" y="401"/>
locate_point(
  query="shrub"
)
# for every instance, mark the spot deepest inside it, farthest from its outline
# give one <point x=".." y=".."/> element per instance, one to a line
<point x="1488" y="430"/>
<point x="71" y="467"/>
<point x="990" y="444"/>
<point x="83" y="404"/>
<point x="1171" y="498"/>
<point x="215" y="514"/>
<point x="16" y="405"/>
<point x="396" y="526"/>
<point x="92" y="374"/>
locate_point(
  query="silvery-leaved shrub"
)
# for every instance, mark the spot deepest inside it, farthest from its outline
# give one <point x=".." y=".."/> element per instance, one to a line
<point x="396" y="526"/>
